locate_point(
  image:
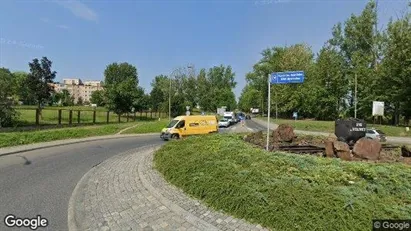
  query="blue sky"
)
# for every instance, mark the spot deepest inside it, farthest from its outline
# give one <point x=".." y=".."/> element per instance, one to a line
<point x="83" y="37"/>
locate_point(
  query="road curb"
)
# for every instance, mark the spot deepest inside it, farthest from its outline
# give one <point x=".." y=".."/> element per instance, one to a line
<point x="71" y="217"/>
<point x="25" y="148"/>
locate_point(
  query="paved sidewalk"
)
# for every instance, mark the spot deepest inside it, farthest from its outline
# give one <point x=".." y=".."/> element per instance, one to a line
<point x="126" y="193"/>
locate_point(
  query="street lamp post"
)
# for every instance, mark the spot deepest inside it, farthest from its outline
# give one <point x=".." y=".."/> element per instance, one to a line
<point x="169" y="92"/>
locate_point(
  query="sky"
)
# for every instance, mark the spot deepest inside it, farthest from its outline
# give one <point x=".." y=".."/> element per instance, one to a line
<point x="82" y="37"/>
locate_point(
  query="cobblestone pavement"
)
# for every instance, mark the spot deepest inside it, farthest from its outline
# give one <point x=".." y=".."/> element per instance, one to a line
<point x="126" y="193"/>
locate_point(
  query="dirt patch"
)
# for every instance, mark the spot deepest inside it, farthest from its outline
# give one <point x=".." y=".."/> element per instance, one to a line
<point x="284" y="139"/>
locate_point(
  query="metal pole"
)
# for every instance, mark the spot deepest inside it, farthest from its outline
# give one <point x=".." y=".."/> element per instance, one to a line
<point x="169" y="100"/>
<point x="276" y="104"/>
<point x="355" y="97"/>
<point x="268" y="113"/>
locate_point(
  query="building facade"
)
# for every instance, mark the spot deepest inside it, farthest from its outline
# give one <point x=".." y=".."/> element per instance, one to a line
<point x="79" y="89"/>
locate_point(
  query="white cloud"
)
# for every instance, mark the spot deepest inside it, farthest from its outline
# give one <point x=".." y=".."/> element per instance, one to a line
<point x="63" y="27"/>
<point x="45" y="20"/>
<point x="79" y="9"/>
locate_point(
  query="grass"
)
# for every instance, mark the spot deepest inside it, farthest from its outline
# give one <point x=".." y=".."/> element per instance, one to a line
<point x="329" y="126"/>
<point x="27" y="115"/>
<point x="148" y="127"/>
<point x="285" y="191"/>
<point x="29" y="137"/>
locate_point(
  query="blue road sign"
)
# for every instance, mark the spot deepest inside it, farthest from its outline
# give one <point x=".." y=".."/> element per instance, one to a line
<point x="287" y="77"/>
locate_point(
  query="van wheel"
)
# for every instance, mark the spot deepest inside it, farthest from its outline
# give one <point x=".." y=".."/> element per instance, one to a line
<point x="175" y="136"/>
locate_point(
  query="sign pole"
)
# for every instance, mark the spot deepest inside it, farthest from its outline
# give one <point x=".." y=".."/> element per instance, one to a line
<point x="268" y="113"/>
<point x="276" y="104"/>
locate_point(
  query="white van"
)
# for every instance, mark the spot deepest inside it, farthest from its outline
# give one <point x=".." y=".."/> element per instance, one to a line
<point x="230" y="116"/>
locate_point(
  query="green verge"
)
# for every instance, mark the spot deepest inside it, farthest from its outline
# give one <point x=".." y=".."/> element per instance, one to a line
<point x="29" y="137"/>
<point x="148" y="127"/>
<point x="329" y="126"/>
<point x="285" y="191"/>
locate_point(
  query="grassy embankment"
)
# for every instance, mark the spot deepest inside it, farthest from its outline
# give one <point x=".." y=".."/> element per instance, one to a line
<point x="329" y="126"/>
<point x="28" y="137"/>
<point x="285" y="191"/>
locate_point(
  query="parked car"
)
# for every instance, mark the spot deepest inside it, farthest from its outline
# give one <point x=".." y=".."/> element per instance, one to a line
<point x="224" y="123"/>
<point x="376" y="135"/>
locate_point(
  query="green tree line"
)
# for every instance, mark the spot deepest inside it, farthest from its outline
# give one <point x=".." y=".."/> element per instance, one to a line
<point x="376" y="62"/>
<point x="122" y="93"/>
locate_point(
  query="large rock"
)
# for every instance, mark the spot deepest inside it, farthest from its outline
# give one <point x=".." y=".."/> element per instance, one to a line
<point x="405" y="151"/>
<point x="332" y="137"/>
<point x="329" y="149"/>
<point x="284" y="132"/>
<point x="367" y="149"/>
<point x="342" y="150"/>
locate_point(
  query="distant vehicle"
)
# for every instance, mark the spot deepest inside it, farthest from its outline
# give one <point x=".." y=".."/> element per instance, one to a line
<point x="230" y="116"/>
<point x="247" y="117"/>
<point x="376" y="135"/>
<point x="224" y="123"/>
<point x="189" y="125"/>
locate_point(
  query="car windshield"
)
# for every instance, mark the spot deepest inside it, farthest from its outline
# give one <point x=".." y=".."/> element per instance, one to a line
<point x="228" y="117"/>
<point x="223" y="120"/>
<point x="172" y="123"/>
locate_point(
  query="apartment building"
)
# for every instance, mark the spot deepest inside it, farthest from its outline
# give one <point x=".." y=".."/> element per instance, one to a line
<point x="78" y="88"/>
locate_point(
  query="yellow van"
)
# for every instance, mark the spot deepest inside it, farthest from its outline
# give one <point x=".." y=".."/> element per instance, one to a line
<point x="189" y="125"/>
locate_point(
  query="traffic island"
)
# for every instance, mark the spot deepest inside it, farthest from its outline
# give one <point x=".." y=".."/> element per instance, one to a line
<point x="285" y="191"/>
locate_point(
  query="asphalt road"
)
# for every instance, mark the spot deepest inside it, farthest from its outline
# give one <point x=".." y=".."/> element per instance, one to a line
<point x="40" y="182"/>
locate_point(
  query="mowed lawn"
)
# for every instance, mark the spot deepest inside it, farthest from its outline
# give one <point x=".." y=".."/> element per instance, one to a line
<point x="8" y="139"/>
<point x="285" y="191"/>
<point x="50" y="115"/>
<point x="328" y="126"/>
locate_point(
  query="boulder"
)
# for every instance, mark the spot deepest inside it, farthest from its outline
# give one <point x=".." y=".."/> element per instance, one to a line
<point x="345" y="156"/>
<point x="405" y="151"/>
<point x="329" y="149"/>
<point x="342" y="150"/>
<point x="332" y="137"/>
<point x="284" y="132"/>
<point x="367" y="149"/>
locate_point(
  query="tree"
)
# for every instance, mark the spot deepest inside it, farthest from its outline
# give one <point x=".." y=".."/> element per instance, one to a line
<point x="7" y="113"/>
<point x="250" y="98"/>
<point x="39" y="80"/>
<point x="331" y="84"/>
<point x="97" y="97"/>
<point x="359" y="43"/>
<point x="21" y="90"/>
<point x="215" y="88"/>
<point x="65" y="98"/>
<point x="141" y="101"/>
<point x="121" y="81"/>
<point x="395" y="79"/>
<point x="159" y="93"/>
<point x="80" y="101"/>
